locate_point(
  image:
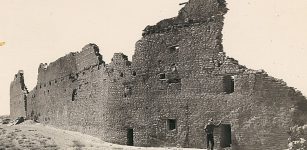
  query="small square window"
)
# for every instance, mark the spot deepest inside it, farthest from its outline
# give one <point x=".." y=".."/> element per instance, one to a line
<point x="162" y="76"/>
<point x="171" y="124"/>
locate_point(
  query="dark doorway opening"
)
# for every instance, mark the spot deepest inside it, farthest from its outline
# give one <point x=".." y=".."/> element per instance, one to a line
<point x="225" y="135"/>
<point x="130" y="137"/>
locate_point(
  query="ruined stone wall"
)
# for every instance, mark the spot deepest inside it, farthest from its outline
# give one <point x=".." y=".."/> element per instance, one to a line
<point x="18" y="96"/>
<point x="186" y="73"/>
<point x="179" y="73"/>
<point x="88" y="57"/>
<point x="259" y="119"/>
<point x="178" y="58"/>
<point x="79" y="92"/>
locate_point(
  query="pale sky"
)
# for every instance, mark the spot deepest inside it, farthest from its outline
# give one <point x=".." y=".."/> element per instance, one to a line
<point x="261" y="34"/>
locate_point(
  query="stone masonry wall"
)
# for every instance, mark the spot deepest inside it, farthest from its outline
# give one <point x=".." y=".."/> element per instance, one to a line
<point x="87" y="98"/>
<point x="18" y="96"/>
<point x="179" y="73"/>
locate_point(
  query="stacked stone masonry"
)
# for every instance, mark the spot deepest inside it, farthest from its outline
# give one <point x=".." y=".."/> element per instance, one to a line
<point x="18" y="96"/>
<point x="179" y="74"/>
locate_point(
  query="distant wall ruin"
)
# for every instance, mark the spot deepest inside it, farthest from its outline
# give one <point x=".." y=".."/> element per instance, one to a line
<point x="18" y="96"/>
<point x="179" y="77"/>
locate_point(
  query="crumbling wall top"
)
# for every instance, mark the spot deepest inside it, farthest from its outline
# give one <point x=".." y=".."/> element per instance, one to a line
<point x="19" y="74"/>
<point x="202" y="9"/>
<point x="89" y="56"/>
<point x="194" y="11"/>
<point x="120" y="59"/>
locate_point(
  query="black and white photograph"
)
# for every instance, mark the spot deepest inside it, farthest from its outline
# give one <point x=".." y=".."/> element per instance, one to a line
<point x="153" y="75"/>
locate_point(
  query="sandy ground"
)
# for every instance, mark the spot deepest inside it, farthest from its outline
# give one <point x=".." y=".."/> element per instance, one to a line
<point x="34" y="136"/>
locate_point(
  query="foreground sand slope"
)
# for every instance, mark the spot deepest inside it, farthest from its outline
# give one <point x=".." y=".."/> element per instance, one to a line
<point x="34" y="136"/>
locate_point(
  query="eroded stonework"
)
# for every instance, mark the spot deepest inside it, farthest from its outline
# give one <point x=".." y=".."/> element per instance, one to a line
<point x="179" y="77"/>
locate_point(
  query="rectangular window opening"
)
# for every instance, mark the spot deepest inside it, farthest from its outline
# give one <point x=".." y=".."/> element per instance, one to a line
<point x="74" y="93"/>
<point x="171" y="124"/>
<point x="229" y="84"/>
<point x="162" y="76"/>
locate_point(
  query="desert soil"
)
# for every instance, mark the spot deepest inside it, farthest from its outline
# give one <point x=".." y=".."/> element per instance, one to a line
<point x="35" y="136"/>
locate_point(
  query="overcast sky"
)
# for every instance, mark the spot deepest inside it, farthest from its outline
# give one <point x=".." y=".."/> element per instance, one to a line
<point x="261" y="34"/>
